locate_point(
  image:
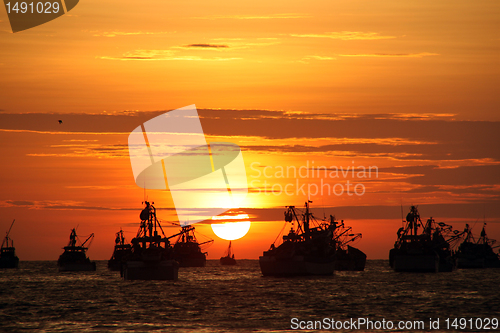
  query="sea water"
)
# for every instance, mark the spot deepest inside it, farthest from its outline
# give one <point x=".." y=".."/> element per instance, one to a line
<point x="215" y="298"/>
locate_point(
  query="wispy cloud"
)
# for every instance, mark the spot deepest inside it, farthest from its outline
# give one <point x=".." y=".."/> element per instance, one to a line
<point x="206" y="46"/>
<point x="255" y="17"/>
<point x="346" y="35"/>
<point x="158" y="55"/>
<point x="128" y="33"/>
<point x="392" y="55"/>
<point x="315" y="57"/>
<point x="244" y="43"/>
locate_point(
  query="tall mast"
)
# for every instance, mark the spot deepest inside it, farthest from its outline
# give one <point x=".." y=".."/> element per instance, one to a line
<point x="306" y="220"/>
<point x="6" y="240"/>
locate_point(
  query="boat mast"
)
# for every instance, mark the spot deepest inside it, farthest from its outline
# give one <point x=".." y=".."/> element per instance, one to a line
<point x="6" y="240"/>
<point x="306" y="220"/>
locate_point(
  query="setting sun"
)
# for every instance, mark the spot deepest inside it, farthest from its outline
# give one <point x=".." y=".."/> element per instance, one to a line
<point x="230" y="230"/>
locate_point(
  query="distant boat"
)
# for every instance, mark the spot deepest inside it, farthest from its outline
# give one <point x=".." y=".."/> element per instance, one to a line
<point x="150" y="260"/>
<point x="428" y="251"/>
<point x="120" y="252"/>
<point x="74" y="257"/>
<point x="347" y="258"/>
<point x="187" y="250"/>
<point x="306" y="250"/>
<point x="477" y="254"/>
<point x="228" y="259"/>
<point x="8" y="258"/>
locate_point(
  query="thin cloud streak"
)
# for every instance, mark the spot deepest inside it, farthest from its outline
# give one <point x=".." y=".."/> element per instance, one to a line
<point x="346" y="35"/>
<point x="206" y="46"/>
<point x="393" y="55"/>
<point x="132" y="33"/>
<point x="254" y="17"/>
<point x="181" y="58"/>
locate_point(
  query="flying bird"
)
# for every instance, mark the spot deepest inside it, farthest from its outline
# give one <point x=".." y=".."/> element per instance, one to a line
<point x="60" y="122"/>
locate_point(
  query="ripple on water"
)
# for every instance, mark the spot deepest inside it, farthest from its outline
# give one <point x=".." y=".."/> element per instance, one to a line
<point x="216" y="299"/>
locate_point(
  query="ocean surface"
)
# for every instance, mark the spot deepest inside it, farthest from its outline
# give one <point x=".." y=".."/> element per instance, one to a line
<point x="36" y="298"/>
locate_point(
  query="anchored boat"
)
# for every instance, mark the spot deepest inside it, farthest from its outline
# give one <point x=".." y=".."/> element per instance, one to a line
<point x="428" y="251"/>
<point x="306" y="250"/>
<point x="228" y="259"/>
<point x="8" y="258"/>
<point x="120" y="252"/>
<point x="74" y="257"/>
<point x="477" y="254"/>
<point x="149" y="260"/>
<point x="187" y="250"/>
<point x="347" y="258"/>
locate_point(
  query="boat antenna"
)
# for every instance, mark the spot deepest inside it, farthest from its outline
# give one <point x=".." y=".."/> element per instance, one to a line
<point x="322" y="205"/>
<point x="402" y="221"/>
<point x="144" y="186"/>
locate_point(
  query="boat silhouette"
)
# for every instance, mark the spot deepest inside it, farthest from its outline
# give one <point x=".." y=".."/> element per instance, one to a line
<point x="8" y="258"/>
<point x="187" y="251"/>
<point x="347" y="257"/>
<point x="425" y="251"/>
<point x="305" y="250"/>
<point x="149" y="260"/>
<point x="228" y="259"/>
<point x="74" y="257"/>
<point x="120" y="252"/>
<point x="477" y="254"/>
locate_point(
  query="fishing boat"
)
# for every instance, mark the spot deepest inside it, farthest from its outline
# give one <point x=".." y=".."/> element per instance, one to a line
<point x="305" y="250"/>
<point x="120" y="252"/>
<point x="149" y="260"/>
<point x="425" y="251"/>
<point x="8" y="258"/>
<point x="228" y="259"/>
<point x="74" y="257"/>
<point x="187" y="250"/>
<point x="347" y="257"/>
<point x="477" y="254"/>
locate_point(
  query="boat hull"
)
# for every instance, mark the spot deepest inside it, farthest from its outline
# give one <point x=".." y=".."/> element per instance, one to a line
<point x="119" y="254"/>
<point x="77" y="267"/>
<point x="141" y="270"/>
<point x="196" y="261"/>
<point x="228" y="261"/>
<point x="447" y="264"/>
<point x="472" y="255"/>
<point x="295" y="266"/>
<point x="471" y="263"/>
<point x="114" y="265"/>
<point x="420" y="263"/>
<point x="9" y="262"/>
<point x="351" y="260"/>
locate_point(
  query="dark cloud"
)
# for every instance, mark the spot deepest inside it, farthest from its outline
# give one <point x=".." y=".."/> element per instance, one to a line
<point x="463" y="175"/>
<point x="20" y="203"/>
<point x="424" y="137"/>
<point x="456" y="211"/>
<point x="209" y="46"/>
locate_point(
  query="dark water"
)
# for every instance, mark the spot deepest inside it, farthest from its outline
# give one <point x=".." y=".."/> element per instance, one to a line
<point x="36" y="298"/>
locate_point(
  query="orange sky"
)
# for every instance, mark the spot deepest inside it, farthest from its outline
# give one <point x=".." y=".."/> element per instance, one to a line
<point x="410" y="88"/>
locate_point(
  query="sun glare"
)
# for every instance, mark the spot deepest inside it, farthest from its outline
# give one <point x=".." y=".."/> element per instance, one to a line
<point x="231" y="230"/>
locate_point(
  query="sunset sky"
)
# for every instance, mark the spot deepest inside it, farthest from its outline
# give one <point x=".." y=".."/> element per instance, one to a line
<point x="410" y="89"/>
